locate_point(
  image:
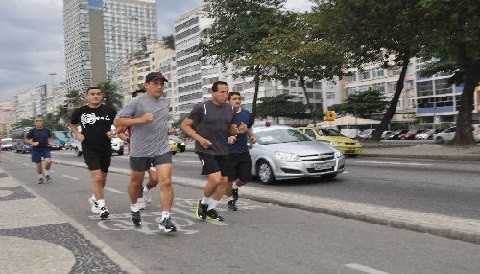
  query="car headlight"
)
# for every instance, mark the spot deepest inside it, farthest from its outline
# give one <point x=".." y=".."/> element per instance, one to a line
<point x="337" y="154"/>
<point x="287" y="157"/>
<point x="335" y="144"/>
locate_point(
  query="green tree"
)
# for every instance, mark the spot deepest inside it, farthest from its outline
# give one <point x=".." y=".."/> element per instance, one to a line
<point x="453" y="43"/>
<point x="291" y="52"/>
<point x="74" y="99"/>
<point x="238" y="26"/>
<point x="374" y="31"/>
<point x="111" y="95"/>
<point x="282" y="106"/>
<point x="169" y="41"/>
<point x="24" y="123"/>
<point x="363" y="104"/>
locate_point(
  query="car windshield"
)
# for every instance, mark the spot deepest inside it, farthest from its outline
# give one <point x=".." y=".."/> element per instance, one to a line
<point x="329" y="132"/>
<point x="7" y="141"/>
<point x="278" y="136"/>
<point x="60" y="134"/>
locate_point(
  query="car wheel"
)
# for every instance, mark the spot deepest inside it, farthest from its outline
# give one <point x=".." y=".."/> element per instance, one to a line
<point x="265" y="173"/>
<point x="439" y="140"/>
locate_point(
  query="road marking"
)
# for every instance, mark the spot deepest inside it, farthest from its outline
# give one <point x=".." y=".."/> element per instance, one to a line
<point x="365" y="269"/>
<point x="71" y="177"/>
<point x="394" y="163"/>
<point x="114" y="190"/>
<point x="186" y="161"/>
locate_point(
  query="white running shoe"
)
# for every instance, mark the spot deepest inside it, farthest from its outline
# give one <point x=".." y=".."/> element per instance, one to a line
<point x="147" y="196"/>
<point x="93" y="206"/>
<point x="141" y="204"/>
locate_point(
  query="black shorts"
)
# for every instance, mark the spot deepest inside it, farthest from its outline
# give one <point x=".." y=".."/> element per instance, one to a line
<point x="95" y="160"/>
<point x="213" y="163"/>
<point x="240" y="166"/>
<point x="140" y="164"/>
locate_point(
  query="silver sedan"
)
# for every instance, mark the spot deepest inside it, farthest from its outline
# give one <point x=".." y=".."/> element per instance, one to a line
<point x="283" y="152"/>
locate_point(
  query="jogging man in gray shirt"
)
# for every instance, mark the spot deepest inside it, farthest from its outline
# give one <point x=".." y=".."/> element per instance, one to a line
<point x="148" y="116"/>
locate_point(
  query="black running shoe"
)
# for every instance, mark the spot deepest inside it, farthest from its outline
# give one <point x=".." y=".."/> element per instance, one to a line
<point x="231" y="205"/>
<point x="167" y="225"/>
<point x="49" y="179"/>
<point x="201" y="210"/>
<point x="104" y="212"/>
<point x="235" y="194"/>
<point x="212" y="214"/>
<point x="137" y="221"/>
<point x="40" y="181"/>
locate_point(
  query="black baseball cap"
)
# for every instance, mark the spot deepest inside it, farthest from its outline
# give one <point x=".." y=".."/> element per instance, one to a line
<point x="155" y="77"/>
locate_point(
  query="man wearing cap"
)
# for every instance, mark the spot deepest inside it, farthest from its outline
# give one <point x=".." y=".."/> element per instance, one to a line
<point x="148" y="116"/>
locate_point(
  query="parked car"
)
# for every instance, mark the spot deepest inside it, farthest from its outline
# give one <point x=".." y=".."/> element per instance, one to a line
<point x="449" y="133"/>
<point x="428" y="134"/>
<point x="347" y="146"/>
<point x="180" y="142"/>
<point x="386" y="134"/>
<point x="410" y="135"/>
<point x="117" y="145"/>
<point x="396" y="134"/>
<point x="283" y="152"/>
<point x="55" y="145"/>
<point x="365" y="134"/>
<point x="7" y="144"/>
<point x="173" y="146"/>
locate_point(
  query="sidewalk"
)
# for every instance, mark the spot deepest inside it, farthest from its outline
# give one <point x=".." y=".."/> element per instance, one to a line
<point x="46" y="240"/>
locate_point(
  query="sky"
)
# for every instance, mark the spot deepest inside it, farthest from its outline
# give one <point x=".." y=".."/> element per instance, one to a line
<point x="31" y="39"/>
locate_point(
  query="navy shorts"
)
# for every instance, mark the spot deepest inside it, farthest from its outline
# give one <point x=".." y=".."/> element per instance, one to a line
<point x="38" y="154"/>
<point x="214" y="163"/>
<point x="240" y="166"/>
<point x="95" y="160"/>
<point x="140" y="164"/>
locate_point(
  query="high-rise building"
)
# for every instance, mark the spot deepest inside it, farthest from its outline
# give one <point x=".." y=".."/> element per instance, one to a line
<point x="100" y="35"/>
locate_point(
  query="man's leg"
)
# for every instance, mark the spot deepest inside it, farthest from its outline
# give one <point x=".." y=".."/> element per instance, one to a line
<point x="48" y="165"/>
<point x="166" y="193"/>
<point x="136" y="180"/>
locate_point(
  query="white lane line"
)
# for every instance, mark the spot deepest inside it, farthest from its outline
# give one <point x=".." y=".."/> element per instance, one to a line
<point x="71" y="177"/>
<point x="365" y="269"/>
<point x="395" y="163"/>
<point x="114" y="190"/>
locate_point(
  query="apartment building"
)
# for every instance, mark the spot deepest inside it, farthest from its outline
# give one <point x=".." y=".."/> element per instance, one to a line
<point x="7" y="111"/>
<point x="100" y="35"/>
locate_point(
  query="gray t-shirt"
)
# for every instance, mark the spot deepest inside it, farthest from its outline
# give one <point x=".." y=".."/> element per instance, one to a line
<point x="213" y="122"/>
<point x="150" y="139"/>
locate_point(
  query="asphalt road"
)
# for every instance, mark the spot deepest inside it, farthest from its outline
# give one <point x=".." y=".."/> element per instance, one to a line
<point x="260" y="236"/>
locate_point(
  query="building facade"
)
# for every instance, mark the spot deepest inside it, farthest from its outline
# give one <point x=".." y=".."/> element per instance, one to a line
<point x="100" y="35"/>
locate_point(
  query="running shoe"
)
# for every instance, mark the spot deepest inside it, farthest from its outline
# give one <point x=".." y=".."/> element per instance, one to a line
<point x="104" y="212"/>
<point x="141" y="204"/>
<point x="235" y="194"/>
<point x="167" y="225"/>
<point x="137" y="221"/>
<point x="93" y="206"/>
<point x="212" y="214"/>
<point x="49" y="179"/>
<point x="147" y="196"/>
<point x="40" y="181"/>
<point x="232" y="206"/>
<point x="201" y="210"/>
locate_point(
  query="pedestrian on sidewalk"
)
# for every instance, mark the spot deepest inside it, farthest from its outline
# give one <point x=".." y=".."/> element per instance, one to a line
<point x="148" y="116"/>
<point x="95" y="121"/>
<point x="209" y="124"/>
<point x="144" y="195"/>
<point x="238" y="153"/>
<point x="40" y="138"/>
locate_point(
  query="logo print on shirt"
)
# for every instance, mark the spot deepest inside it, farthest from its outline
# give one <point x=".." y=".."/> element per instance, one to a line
<point x="91" y="118"/>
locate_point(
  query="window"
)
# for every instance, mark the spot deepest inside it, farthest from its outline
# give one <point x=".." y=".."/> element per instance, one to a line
<point x="442" y="86"/>
<point x="364" y="75"/>
<point x="424" y="88"/>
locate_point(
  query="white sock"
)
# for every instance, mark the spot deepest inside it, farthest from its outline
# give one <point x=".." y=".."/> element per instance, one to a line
<point x="146" y="189"/>
<point x="205" y="200"/>
<point x="134" y="208"/>
<point x="41" y="176"/>
<point x="94" y="198"/>
<point x="47" y="172"/>
<point x="212" y="204"/>
<point x="234" y="185"/>
<point x="139" y="200"/>
<point x="101" y="203"/>
<point x="165" y="215"/>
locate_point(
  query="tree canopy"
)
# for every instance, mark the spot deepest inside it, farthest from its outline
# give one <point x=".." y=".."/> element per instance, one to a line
<point x="282" y="106"/>
<point x="363" y="104"/>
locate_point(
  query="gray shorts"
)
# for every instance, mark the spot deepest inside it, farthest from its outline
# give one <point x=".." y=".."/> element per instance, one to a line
<point x="140" y="164"/>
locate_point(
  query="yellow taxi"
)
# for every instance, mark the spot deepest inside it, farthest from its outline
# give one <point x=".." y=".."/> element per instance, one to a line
<point x="173" y="147"/>
<point x="331" y="136"/>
